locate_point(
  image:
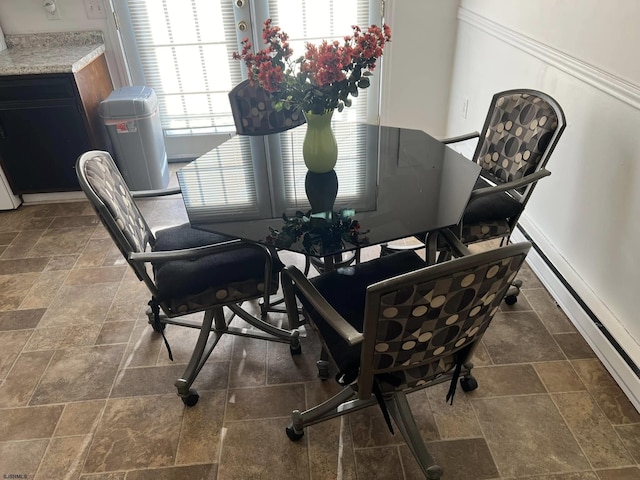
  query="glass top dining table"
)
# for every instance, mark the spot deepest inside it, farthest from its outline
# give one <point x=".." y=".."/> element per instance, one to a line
<point x="418" y="185"/>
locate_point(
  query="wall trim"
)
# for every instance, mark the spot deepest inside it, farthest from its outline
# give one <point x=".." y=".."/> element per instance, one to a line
<point x="605" y="336"/>
<point x="610" y="84"/>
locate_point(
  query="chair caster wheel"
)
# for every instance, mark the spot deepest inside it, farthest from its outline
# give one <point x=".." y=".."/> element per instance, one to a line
<point x="295" y="350"/>
<point x="468" y="383"/>
<point x="510" y="299"/>
<point x="191" y="399"/>
<point x="291" y="433"/>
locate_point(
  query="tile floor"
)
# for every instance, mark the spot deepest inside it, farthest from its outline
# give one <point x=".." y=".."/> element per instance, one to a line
<point x="87" y="390"/>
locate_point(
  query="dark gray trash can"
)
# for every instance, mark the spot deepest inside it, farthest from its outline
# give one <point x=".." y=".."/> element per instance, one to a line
<point x="130" y="115"/>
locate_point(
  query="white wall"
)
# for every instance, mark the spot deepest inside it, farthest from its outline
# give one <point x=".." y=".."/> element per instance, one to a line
<point x="28" y="16"/>
<point x="418" y="64"/>
<point x="585" y="215"/>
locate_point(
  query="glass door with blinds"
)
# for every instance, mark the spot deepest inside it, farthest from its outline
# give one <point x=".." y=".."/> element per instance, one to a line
<point x="183" y="50"/>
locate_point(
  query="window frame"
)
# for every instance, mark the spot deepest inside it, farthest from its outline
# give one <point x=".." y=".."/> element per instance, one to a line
<point x="269" y="175"/>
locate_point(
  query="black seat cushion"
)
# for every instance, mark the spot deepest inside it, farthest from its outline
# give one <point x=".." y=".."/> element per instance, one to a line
<point x="497" y="206"/>
<point x="179" y="278"/>
<point x="345" y="289"/>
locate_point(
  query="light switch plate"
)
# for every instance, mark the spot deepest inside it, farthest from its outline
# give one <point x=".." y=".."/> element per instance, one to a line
<point x="95" y="9"/>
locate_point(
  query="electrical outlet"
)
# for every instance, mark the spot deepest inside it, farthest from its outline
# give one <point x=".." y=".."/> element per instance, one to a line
<point x="51" y="9"/>
<point x="95" y="9"/>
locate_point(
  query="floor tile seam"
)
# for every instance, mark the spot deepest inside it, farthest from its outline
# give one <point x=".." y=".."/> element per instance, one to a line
<point x="572" y="369"/>
<point x="225" y="408"/>
<point x="536" y="476"/>
<point x="476" y="414"/>
<point x="9" y="260"/>
<point x="307" y="401"/>
<point x="23" y="350"/>
<point x="33" y="287"/>
<point x="515" y="395"/>
<point x="574" y="435"/>
<point x="271" y="385"/>
<point x="49" y="227"/>
<point x="632" y="424"/>
<point x="290" y="425"/>
<point x="455" y="439"/>
<point x="607" y="469"/>
<point x="590" y="388"/>
<point x="394" y="445"/>
<point x="87" y="284"/>
<point x="78" y="462"/>
<point x="120" y="368"/>
<point x="404" y="467"/>
<point x="179" y="433"/>
<point x="231" y="421"/>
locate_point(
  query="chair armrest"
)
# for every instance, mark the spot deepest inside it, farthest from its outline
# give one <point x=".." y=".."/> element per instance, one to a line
<point x="189" y="253"/>
<point x="155" y="193"/>
<point x="503" y="187"/>
<point x="457" y="247"/>
<point x="460" y="138"/>
<point x="291" y="275"/>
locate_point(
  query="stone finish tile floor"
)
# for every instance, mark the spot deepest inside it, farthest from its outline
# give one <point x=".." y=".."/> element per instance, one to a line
<point x="86" y="388"/>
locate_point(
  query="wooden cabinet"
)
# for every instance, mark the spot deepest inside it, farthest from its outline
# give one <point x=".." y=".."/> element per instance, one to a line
<point x="46" y="122"/>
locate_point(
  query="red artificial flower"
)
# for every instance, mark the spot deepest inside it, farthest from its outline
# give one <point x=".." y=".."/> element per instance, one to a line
<point x="324" y="77"/>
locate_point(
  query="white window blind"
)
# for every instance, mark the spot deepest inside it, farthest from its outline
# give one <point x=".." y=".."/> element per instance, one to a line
<point x="185" y="49"/>
<point x="314" y="21"/>
<point x="220" y="171"/>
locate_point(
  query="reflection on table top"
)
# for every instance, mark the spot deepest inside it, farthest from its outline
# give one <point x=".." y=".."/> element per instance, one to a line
<point x="421" y="186"/>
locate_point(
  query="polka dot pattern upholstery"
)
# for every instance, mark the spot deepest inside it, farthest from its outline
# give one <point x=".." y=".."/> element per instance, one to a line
<point x="107" y="182"/>
<point x="420" y="328"/>
<point x="518" y="133"/>
<point x="472" y="233"/>
<point x="182" y="286"/>
<point x="254" y="112"/>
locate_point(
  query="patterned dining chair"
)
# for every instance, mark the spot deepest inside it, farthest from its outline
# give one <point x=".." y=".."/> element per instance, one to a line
<point x="254" y="111"/>
<point x="393" y="326"/>
<point x="186" y="270"/>
<point x="254" y="114"/>
<point x="521" y="131"/>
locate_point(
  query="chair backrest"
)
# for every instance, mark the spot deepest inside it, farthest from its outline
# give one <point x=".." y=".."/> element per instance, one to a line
<point x="254" y="112"/>
<point x="111" y="199"/>
<point x="520" y="132"/>
<point x="418" y="325"/>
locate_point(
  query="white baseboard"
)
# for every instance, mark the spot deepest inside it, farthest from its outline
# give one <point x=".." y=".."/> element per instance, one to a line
<point x="38" y="198"/>
<point x="602" y="331"/>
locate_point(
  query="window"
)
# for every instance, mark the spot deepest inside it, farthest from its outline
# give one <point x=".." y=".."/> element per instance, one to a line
<point x="182" y="49"/>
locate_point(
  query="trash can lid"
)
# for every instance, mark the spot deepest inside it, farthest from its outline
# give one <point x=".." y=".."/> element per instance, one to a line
<point x="137" y="101"/>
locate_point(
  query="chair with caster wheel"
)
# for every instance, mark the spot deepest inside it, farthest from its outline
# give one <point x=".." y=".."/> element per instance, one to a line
<point x="186" y="270"/>
<point x="254" y="114"/>
<point x="394" y="326"/>
<point x="521" y="131"/>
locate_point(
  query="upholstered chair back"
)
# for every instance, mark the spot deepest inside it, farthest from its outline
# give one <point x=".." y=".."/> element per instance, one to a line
<point x="519" y="133"/>
<point x="419" y="326"/>
<point x="254" y="111"/>
<point x="113" y="203"/>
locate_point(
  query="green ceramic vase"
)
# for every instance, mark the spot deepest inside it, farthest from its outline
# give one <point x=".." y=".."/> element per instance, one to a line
<point x="319" y="148"/>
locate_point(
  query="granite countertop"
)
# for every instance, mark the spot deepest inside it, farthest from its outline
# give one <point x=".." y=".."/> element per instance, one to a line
<point x="40" y="53"/>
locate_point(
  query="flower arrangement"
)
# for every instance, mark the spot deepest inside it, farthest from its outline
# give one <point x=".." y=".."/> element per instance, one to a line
<point x="317" y="231"/>
<point x="324" y="77"/>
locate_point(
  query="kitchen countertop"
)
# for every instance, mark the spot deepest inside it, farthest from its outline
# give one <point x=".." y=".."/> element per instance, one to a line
<point x="39" y="53"/>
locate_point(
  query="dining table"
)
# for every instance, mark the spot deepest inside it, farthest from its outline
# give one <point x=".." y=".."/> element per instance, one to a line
<point x="418" y="185"/>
